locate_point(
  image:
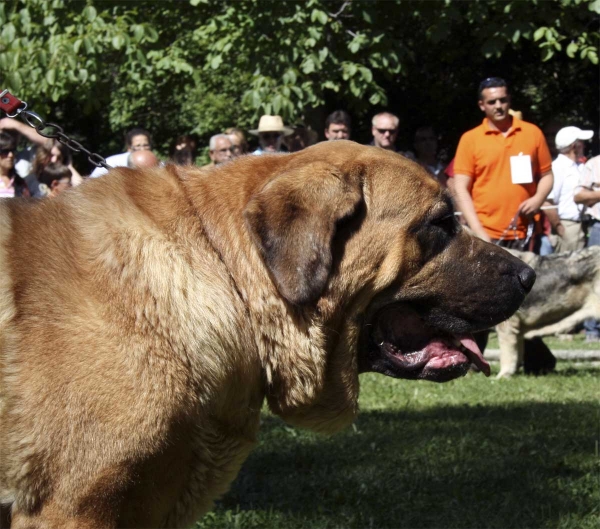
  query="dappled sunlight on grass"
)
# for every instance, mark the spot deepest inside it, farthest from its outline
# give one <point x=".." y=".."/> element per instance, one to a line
<point x="474" y="452"/>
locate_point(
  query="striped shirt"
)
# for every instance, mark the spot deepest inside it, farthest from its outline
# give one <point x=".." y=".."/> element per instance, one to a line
<point x="7" y="191"/>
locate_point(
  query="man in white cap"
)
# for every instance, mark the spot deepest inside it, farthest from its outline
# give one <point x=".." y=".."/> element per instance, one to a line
<point x="567" y="169"/>
<point x="270" y="134"/>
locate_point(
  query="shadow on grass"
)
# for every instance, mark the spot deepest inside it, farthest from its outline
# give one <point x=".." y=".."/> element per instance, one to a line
<point x="570" y="369"/>
<point x="478" y="466"/>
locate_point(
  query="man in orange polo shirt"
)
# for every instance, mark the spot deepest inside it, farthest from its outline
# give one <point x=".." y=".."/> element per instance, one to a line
<point x="503" y="170"/>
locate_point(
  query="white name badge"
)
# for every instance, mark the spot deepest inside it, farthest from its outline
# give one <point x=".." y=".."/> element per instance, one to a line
<point x="520" y="169"/>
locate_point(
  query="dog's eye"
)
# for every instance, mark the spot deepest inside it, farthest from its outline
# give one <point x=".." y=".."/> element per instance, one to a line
<point x="437" y="234"/>
<point x="447" y="222"/>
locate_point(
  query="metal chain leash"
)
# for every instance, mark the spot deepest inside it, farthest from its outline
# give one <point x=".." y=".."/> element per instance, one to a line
<point x="513" y="226"/>
<point x="14" y="107"/>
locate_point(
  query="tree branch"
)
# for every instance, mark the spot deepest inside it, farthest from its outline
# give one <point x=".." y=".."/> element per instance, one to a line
<point x="344" y="6"/>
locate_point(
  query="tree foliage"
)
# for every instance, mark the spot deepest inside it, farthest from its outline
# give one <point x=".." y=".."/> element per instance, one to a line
<point x="100" y="67"/>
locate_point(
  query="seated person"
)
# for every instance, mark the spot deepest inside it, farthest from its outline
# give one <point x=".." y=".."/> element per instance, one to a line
<point x="183" y="151"/>
<point x="54" y="179"/>
<point x="142" y="159"/>
<point x="427" y="156"/>
<point x="238" y="141"/>
<point x="301" y="138"/>
<point x="52" y="152"/>
<point x="135" y="140"/>
<point x="220" y="149"/>
<point x="338" y="126"/>
<point x="270" y="132"/>
<point x="23" y="160"/>
<point x="11" y="184"/>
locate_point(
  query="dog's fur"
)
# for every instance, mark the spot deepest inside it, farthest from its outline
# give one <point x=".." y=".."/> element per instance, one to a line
<point x="566" y="293"/>
<point x="146" y="315"/>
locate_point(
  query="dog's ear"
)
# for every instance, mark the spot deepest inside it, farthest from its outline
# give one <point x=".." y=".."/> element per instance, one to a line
<point x="293" y="220"/>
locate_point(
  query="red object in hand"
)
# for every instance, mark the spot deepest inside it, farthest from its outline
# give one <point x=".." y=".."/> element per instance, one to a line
<point x="8" y="102"/>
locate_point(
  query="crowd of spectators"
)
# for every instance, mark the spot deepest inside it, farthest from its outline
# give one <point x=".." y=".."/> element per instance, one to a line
<point x="511" y="183"/>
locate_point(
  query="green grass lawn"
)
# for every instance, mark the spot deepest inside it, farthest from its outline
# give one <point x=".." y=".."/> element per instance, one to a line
<point x="568" y="342"/>
<point x="472" y="453"/>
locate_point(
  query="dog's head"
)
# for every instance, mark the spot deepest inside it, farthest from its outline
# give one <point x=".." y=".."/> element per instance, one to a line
<point x="365" y="243"/>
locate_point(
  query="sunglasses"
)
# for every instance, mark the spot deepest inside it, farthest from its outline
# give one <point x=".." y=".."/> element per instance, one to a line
<point x="383" y="131"/>
<point x="270" y="135"/>
<point x="6" y="152"/>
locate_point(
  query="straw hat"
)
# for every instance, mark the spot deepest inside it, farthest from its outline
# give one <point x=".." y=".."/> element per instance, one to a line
<point x="271" y="124"/>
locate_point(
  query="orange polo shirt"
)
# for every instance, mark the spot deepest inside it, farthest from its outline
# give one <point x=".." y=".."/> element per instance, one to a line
<point x="484" y="155"/>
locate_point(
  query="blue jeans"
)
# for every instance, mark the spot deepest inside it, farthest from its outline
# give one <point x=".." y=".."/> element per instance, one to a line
<point x="545" y="246"/>
<point x="594" y="234"/>
<point x="591" y="326"/>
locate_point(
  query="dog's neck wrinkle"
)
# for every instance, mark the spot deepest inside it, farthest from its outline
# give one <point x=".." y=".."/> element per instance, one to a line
<point x="223" y="224"/>
<point x="293" y="380"/>
<point x="275" y="323"/>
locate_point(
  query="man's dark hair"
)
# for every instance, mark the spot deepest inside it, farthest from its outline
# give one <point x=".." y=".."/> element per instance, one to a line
<point x="491" y="82"/>
<point x="7" y="141"/>
<point x="138" y="131"/>
<point x="52" y="172"/>
<point x="339" y="117"/>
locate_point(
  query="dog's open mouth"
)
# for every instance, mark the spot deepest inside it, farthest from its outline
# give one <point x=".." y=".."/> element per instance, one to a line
<point x="403" y="345"/>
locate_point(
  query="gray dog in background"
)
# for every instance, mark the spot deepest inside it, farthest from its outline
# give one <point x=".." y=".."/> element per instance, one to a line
<point x="567" y="292"/>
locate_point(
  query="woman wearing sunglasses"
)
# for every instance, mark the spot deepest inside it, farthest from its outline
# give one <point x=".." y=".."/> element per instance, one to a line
<point x="11" y="184"/>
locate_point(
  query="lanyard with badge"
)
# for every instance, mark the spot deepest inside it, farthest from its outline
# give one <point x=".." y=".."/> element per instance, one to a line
<point x="520" y="173"/>
<point x="520" y="169"/>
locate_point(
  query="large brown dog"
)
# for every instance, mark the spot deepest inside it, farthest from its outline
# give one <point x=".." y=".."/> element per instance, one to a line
<point x="145" y="316"/>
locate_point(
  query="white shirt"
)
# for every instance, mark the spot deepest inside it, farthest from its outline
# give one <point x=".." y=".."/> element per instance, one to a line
<point x="590" y="180"/>
<point x="23" y="168"/>
<point x="23" y="163"/>
<point x="566" y="176"/>
<point x="116" y="160"/>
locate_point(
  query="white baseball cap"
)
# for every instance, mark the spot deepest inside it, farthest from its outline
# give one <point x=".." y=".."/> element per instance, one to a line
<point x="569" y="135"/>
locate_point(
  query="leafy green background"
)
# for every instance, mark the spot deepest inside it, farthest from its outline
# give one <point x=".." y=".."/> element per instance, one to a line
<point x="100" y="67"/>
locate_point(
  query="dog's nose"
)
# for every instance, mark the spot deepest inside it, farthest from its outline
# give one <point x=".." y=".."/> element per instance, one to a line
<point x="527" y="278"/>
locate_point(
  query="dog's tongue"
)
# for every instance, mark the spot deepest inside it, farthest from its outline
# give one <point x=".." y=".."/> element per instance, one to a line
<point x="474" y="354"/>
